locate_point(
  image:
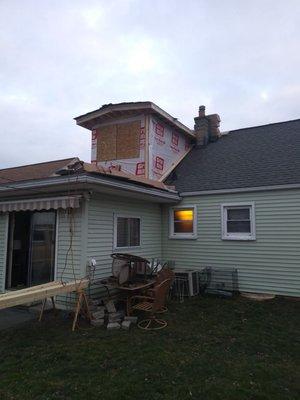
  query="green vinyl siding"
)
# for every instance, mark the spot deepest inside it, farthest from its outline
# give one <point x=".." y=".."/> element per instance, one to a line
<point x="269" y="264"/>
<point x="70" y="260"/>
<point x="3" y="249"/>
<point x="72" y="267"/>
<point x="100" y="243"/>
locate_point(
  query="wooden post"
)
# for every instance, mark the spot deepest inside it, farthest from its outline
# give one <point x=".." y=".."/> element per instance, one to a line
<point x="147" y="145"/>
<point x="42" y="309"/>
<point x="78" y="307"/>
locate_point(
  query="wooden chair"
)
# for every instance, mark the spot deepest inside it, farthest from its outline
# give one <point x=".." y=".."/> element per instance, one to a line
<point x="152" y="305"/>
<point x="165" y="273"/>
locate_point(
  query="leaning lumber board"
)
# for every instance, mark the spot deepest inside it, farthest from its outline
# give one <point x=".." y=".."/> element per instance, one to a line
<point x="40" y="292"/>
<point x="31" y="289"/>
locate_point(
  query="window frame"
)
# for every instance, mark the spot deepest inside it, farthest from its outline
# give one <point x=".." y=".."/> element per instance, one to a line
<point x="190" y="235"/>
<point x="115" y="243"/>
<point x="238" y="235"/>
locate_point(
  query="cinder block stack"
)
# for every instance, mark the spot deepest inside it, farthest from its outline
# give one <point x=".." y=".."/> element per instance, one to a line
<point x="115" y="319"/>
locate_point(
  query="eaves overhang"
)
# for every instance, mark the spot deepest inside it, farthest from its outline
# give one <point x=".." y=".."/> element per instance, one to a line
<point x="110" y="112"/>
<point x="87" y="182"/>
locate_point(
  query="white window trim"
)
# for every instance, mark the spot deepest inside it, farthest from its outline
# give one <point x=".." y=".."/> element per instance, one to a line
<point x="238" y="236"/>
<point x="172" y="234"/>
<point x="116" y="216"/>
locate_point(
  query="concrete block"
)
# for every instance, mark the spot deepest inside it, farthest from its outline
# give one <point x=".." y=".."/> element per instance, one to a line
<point x="113" y="325"/>
<point x="110" y="306"/>
<point x="97" y="322"/>
<point x="98" y="314"/>
<point x="94" y="302"/>
<point x="118" y="314"/>
<point x="126" y="325"/>
<point x="132" y="319"/>
<point x="116" y="317"/>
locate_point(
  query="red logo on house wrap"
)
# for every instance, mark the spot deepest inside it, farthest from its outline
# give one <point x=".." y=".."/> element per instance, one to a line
<point x="159" y="130"/>
<point x="159" y="163"/>
<point x="142" y="138"/>
<point x="158" y="175"/>
<point x="140" y="168"/>
<point x="94" y="135"/>
<point x="175" y="138"/>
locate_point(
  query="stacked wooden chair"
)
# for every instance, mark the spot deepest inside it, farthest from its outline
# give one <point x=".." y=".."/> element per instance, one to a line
<point x="153" y="301"/>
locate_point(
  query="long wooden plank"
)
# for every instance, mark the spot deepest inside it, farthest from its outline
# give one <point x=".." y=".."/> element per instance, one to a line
<point x="29" y="289"/>
<point x="21" y="292"/>
<point x="40" y="292"/>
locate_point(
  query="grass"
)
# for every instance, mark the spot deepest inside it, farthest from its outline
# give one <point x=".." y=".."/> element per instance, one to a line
<point x="212" y="349"/>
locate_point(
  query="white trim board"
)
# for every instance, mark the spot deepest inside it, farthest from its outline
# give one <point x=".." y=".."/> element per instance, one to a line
<point x="117" y="215"/>
<point x="240" y="190"/>
<point x="238" y="236"/>
<point x="188" y="236"/>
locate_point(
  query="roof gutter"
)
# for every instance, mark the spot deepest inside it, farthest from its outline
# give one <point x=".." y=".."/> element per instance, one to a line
<point x="240" y="190"/>
<point x="87" y="179"/>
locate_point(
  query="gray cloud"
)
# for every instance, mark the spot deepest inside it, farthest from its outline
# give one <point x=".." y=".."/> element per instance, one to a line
<point x="60" y="59"/>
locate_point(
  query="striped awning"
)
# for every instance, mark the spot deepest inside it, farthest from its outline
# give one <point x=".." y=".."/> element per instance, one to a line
<point x="50" y="203"/>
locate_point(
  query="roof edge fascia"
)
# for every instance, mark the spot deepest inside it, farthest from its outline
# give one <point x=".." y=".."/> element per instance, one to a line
<point x="240" y="190"/>
<point x="88" y="179"/>
<point x="132" y="107"/>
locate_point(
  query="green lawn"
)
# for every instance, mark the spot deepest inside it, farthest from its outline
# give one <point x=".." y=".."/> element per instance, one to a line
<point x="212" y="349"/>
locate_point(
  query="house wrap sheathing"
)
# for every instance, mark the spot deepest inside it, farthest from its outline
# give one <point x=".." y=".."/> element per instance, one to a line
<point x="147" y="144"/>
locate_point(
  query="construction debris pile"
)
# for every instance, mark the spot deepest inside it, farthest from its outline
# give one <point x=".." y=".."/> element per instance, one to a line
<point x="107" y="315"/>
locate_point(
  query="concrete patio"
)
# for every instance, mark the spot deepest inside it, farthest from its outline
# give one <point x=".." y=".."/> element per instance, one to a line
<point x="12" y="317"/>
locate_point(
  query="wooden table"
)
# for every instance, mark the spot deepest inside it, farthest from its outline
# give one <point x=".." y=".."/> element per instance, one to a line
<point x="128" y="289"/>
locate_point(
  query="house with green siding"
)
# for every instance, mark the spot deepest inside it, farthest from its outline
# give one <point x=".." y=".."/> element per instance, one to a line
<point x="158" y="189"/>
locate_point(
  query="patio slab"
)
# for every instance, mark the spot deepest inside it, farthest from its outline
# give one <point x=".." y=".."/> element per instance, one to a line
<point x="11" y="317"/>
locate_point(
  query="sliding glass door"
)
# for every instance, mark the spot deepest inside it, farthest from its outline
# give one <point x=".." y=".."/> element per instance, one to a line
<point x="42" y="248"/>
<point x="31" y="249"/>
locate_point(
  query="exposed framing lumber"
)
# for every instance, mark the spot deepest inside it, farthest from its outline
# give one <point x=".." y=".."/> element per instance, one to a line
<point x="40" y="292"/>
<point x="147" y="145"/>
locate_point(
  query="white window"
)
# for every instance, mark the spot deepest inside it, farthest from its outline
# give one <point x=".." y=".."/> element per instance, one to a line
<point x="183" y="222"/>
<point x="127" y="231"/>
<point x="238" y="221"/>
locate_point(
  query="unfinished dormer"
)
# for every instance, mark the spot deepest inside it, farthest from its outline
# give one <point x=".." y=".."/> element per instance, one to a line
<point x="139" y="138"/>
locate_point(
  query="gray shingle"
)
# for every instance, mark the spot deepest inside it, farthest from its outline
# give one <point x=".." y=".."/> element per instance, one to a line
<point x="259" y="156"/>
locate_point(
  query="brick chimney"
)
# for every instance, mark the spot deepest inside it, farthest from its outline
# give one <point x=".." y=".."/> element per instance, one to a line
<point x="206" y="127"/>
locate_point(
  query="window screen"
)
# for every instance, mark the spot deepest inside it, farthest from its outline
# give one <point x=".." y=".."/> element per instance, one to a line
<point x="128" y="232"/>
<point x="238" y="220"/>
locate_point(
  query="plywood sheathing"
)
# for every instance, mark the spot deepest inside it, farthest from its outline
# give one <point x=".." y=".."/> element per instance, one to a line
<point x="107" y="143"/>
<point x="118" y="141"/>
<point x="128" y="140"/>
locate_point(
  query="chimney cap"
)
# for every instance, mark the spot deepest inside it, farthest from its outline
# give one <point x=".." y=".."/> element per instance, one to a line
<point x="202" y="111"/>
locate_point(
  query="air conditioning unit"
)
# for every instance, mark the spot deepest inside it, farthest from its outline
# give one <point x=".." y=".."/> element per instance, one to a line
<point x="186" y="282"/>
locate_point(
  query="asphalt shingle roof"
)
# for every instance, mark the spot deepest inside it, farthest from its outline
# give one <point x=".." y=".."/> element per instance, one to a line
<point x="259" y="156"/>
<point x="33" y="171"/>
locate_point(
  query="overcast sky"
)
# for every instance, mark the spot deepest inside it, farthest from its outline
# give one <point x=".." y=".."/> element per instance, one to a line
<point x="60" y="59"/>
